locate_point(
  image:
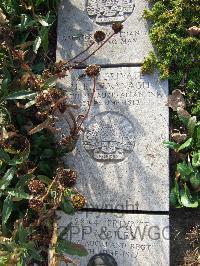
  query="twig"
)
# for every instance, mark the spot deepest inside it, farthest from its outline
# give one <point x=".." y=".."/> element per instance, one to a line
<point x="82" y="52"/>
<point x="67" y="260"/>
<point x="100" y="46"/>
<point x="90" y="104"/>
<point x="69" y="68"/>
<point x="52" y="251"/>
<point x="50" y="213"/>
<point x="49" y="188"/>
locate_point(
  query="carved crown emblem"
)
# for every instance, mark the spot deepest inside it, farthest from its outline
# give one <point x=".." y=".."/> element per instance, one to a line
<point x="109" y="11"/>
<point x="109" y="137"/>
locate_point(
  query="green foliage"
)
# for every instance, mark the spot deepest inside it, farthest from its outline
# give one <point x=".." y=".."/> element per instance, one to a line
<point x="68" y="247"/>
<point x="177" y="50"/>
<point x="186" y="189"/>
<point x="175" y="35"/>
<point x="28" y="148"/>
<point x="13" y="251"/>
<point x="31" y="21"/>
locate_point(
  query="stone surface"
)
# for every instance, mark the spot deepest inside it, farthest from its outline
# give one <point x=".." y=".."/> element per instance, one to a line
<point x="78" y="20"/>
<point x="131" y="239"/>
<point x="120" y="158"/>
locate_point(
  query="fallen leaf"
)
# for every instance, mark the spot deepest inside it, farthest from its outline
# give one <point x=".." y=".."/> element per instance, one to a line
<point x="182" y="112"/>
<point x="194" y="31"/>
<point x="24" y="45"/>
<point x="24" y="79"/>
<point x="3" y="19"/>
<point x="178" y="137"/>
<point x="176" y="100"/>
<point x="47" y="123"/>
<point x="177" y="175"/>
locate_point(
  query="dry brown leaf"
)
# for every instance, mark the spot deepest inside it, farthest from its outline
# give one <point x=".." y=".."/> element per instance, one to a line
<point x="176" y="100"/>
<point x="47" y="123"/>
<point x="24" y="79"/>
<point x="178" y="137"/>
<point x="25" y="45"/>
<point x="194" y="31"/>
<point x="3" y="19"/>
<point x="67" y="260"/>
<point x="177" y="175"/>
<point x="53" y="129"/>
<point x="53" y="261"/>
<point x="183" y="113"/>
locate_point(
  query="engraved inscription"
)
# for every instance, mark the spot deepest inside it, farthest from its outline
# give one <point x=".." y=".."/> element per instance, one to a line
<point x="135" y="89"/>
<point x="109" y="11"/>
<point x="129" y="239"/>
<point x="109" y="137"/>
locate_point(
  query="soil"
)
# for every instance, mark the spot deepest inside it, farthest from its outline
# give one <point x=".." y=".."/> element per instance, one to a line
<point x="182" y="221"/>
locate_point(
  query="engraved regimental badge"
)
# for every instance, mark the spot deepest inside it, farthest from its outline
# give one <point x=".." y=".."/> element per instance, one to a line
<point x="109" y="11"/>
<point x="109" y="137"/>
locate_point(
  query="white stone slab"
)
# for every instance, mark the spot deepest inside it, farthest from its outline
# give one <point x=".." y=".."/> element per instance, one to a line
<point x="79" y="19"/>
<point x="121" y="159"/>
<point x="131" y="239"/>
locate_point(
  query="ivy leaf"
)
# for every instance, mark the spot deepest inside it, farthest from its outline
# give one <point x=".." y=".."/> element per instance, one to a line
<point x="23" y="181"/>
<point x="6" y="179"/>
<point x="50" y="82"/>
<point x="186" y="144"/>
<point x="22" y="234"/>
<point x="44" y="179"/>
<point x="186" y="198"/>
<point x="184" y="169"/>
<point x="42" y="21"/>
<point x="4" y="260"/>
<point x="4" y="86"/>
<point x="67" y="206"/>
<point x="183" y="115"/>
<point x="65" y="231"/>
<point x="21" y="95"/>
<point x="198" y="137"/>
<point x="21" y="263"/>
<point x="196" y="159"/>
<point x="171" y="145"/>
<point x="18" y="194"/>
<point x="33" y="252"/>
<point x="64" y="246"/>
<point x="195" y="181"/>
<point x="4" y="156"/>
<point x="7" y="209"/>
<point x="29" y="104"/>
<point x="5" y="116"/>
<point x="173" y="197"/>
<point x="44" y="35"/>
<point x="191" y="125"/>
<point x="47" y="153"/>
<point x="37" y="44"/>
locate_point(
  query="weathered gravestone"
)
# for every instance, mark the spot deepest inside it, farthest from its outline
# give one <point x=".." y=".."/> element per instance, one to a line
<point x="130" y="240"/>
<point x="78" y="20"/>
<point x="120" y="158"/>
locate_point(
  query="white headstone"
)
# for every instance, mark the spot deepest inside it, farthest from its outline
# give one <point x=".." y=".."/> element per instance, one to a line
<point x="121" y="160"/>
<point x="130" y="239"/>
<point x="120" y="157"/>
<point x="78" y="20"/>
